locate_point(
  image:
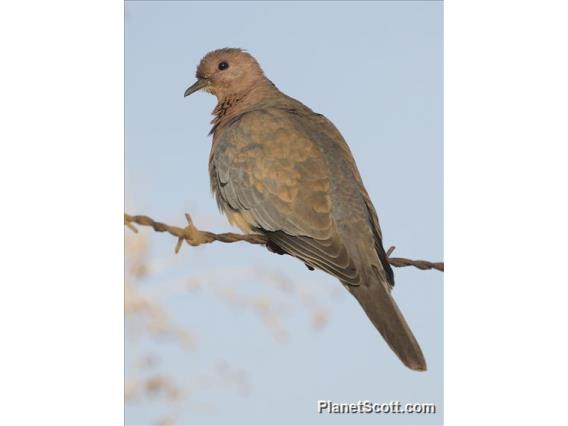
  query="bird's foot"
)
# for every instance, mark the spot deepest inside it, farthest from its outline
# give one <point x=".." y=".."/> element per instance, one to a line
<point x="274" y="248"/>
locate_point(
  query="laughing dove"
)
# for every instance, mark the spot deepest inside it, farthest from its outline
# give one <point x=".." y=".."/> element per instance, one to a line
<point x="279" y="169"/>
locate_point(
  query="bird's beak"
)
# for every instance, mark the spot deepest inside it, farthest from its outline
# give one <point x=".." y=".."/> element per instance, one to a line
<point x="198" y="85"/>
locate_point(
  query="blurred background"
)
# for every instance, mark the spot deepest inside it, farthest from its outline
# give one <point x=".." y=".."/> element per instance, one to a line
<point x="233" y="334"/>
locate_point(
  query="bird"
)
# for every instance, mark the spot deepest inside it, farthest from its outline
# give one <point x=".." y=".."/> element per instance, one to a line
<point x="281" y="170"/>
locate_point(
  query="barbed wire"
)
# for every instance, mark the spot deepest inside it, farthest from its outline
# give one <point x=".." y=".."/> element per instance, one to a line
<point x="195" y="237"/>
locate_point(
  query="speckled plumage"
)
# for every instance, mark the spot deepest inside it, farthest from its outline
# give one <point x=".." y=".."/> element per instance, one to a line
<point x="280" y="169"/>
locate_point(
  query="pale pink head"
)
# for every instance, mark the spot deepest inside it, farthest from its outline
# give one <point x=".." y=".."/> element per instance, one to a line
<point x="227" y="72"/>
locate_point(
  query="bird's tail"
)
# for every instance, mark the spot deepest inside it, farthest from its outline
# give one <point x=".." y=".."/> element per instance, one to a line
<point x="385" y="315"/>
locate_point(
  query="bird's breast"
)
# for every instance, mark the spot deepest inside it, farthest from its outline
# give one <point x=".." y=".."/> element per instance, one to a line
<point x="240" y="220"/>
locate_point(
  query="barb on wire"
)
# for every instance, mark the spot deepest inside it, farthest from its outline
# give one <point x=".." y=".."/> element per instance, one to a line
<point x="195" y="237"/>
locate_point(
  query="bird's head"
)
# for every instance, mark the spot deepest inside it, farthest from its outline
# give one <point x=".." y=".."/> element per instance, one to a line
<point x="227" y="72"/>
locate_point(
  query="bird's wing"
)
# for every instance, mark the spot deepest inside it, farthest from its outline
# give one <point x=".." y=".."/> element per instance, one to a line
<point x="268" y="169"/>
<point x="351" y="192"/>
<point x="295" y="180"/>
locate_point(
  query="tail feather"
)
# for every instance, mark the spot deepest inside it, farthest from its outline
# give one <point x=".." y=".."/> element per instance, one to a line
<point x="385" y="315"/>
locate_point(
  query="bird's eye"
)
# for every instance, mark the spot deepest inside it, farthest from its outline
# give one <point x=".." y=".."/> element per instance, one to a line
<point x="223" y="66"/>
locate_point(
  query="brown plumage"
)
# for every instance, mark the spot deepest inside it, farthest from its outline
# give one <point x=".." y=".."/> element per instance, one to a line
<point x="280" y="169"/>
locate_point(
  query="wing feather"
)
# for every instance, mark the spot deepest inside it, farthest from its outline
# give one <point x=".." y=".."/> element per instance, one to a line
<point x="273" y="172"/>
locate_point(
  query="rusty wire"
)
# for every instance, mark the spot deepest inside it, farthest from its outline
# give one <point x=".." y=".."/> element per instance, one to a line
<point x="195" y="237"/>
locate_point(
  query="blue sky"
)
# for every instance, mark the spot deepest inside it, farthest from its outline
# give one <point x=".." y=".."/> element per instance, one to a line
<point x="375" y="70"/>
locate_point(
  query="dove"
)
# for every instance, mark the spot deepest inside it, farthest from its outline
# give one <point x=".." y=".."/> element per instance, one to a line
<point x="279" y="169"/>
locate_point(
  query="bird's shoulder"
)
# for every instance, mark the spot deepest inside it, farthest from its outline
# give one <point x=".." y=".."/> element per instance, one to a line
<point x="268" y="137"/>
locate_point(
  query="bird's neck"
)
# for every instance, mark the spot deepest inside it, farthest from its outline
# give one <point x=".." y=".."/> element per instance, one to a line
<point x="233" y="104"/>
<point x="227" y="105"/>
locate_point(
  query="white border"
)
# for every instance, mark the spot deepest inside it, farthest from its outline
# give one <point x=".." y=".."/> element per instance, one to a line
<point x="61" y="171"/>
<point x="506" y="197"/>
